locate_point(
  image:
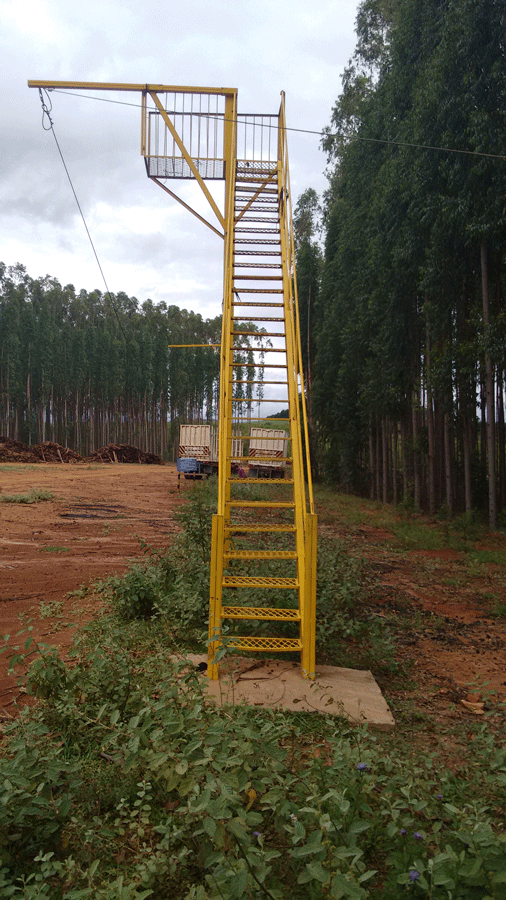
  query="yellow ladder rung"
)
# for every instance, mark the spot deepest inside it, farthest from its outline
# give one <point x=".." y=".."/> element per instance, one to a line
<point x="266" y="504"/>
<point x="265" y="644"/>
<point x="246" y="529"/>
<point x="260" y="480"/>
<point x="261" y="582"/>
<point x="266" y="459"/>
<point x="260" y="554"/>
<point x="258" y="613"/>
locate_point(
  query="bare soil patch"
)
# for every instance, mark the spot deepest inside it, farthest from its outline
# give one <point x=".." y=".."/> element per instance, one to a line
<point x="90" y="530"/>
<point x="443" y="606"/>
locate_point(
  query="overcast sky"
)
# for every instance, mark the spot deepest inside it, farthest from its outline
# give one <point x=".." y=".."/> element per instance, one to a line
<point x="147" y="244"/>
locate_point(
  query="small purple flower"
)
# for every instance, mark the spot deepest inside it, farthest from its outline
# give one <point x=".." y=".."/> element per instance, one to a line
<point x="418" y="836"/>
<point x="362" y="767"/>
<point x="439" y="797"/>
<point x="403" y="831"/>
<point x="257" y="834"/>
<point x="414" y="875"/>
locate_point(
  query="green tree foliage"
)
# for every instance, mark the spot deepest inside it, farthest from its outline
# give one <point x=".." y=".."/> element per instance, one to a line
<point x="409" y="369"/>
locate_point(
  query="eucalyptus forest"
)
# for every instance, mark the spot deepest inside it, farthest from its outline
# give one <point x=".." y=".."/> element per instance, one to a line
<point x="84" y="369"/>
<point x="400" y="270"/>
<point x="402" y="312"/>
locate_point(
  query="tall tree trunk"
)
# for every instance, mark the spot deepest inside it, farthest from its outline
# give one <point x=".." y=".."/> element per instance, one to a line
<point x="448" y="464"/>
<point x="384" y="441"/>
<point x="501" y="441"/>
<point x="466" y="439"/>
<point x="489" y="391"/>
<point x="416" y="455"/>
<point x="430" y="429"/>
<point x="378" y="462"/>
<point x="371" y="458"/>
<point x="405" y="473"/>
<point x="395" y="463"/>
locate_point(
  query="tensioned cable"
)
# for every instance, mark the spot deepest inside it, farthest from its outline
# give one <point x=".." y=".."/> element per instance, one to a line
<point x="322" y="134"/>
<point x="48" y="125"/>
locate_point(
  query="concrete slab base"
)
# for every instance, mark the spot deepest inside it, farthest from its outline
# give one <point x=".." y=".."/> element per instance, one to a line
<point x="278" y="684"/>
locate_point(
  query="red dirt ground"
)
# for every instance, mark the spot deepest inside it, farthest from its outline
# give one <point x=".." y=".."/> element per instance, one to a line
<point x="100" y="512"/>
<point x="91" y="529"/>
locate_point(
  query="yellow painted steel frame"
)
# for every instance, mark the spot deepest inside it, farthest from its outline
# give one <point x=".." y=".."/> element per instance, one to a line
<point x="305" y="520"/>
<point x="225" y="418"/>
<point x="307" y="543"/>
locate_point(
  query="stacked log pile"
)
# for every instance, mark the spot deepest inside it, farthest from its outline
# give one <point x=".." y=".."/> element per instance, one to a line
<point x="49" y="452"/>
<point x="124" y="453"/>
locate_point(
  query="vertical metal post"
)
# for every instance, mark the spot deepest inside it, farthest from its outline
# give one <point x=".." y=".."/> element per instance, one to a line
<point x="215" y="594"/>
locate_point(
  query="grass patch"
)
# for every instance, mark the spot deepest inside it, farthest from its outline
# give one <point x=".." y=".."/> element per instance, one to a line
<point x="36" y="495"/>
<point x="498" y="609"/>
<point x="488" y="557"/>
<point x="54" y="549"/>
<point x="7" y="467"/>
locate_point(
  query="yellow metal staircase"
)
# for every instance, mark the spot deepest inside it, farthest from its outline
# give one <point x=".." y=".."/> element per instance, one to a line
<point x="263" y="567"/>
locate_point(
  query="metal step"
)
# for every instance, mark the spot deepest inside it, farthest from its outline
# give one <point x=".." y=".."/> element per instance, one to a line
<point x="253" y="581"/>
<point x="258" y="253"/>
<point x="259" y="612"/>
<point x="265" y="463"/>
<point x="253" y="303"/>
<point x="252" y="265"/>
<point x="265" y="644"/>
<point x="259" y="319"/>
<point x="262" y="504"/>
<point x="238" y="277"/>
<point x="257" y="219"/>
<point x="244" y="290"/>
<point x="230" y="530"/>
<point x="257" y="230"/>
<point x="260" y="554"/>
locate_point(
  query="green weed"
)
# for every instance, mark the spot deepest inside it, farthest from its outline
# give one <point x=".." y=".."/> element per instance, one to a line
<point x="34" y="496"/>
<point x="127" y="763"/>
<point x="51" y="610"/>
<point x="54" y="548"/>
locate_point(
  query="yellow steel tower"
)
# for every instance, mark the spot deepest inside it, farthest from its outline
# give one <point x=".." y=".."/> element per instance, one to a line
<point x="263" y="557"/>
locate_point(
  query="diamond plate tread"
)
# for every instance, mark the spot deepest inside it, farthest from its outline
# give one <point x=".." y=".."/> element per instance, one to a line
<point x="255" y="303"/>
<point x="264" y="334"/>
<point x="259" y="581"/>
<point x="262" y="504"/>
<point x="257" y="231"/>
<point x="260" y="554"/>
<point x="267" y="219"/>
<point x="261" y="480"/>
<point x="261" y="612"/>
<point x="266" y="459"/>
<point x="264" y="643"/>
<point x="258" y="529"/>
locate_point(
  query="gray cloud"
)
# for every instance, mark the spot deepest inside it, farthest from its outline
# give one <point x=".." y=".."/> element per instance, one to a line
<point x="260" y="47"/>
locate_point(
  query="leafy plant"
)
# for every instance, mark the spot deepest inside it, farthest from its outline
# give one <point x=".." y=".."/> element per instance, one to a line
<point x="34" y="496"/>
